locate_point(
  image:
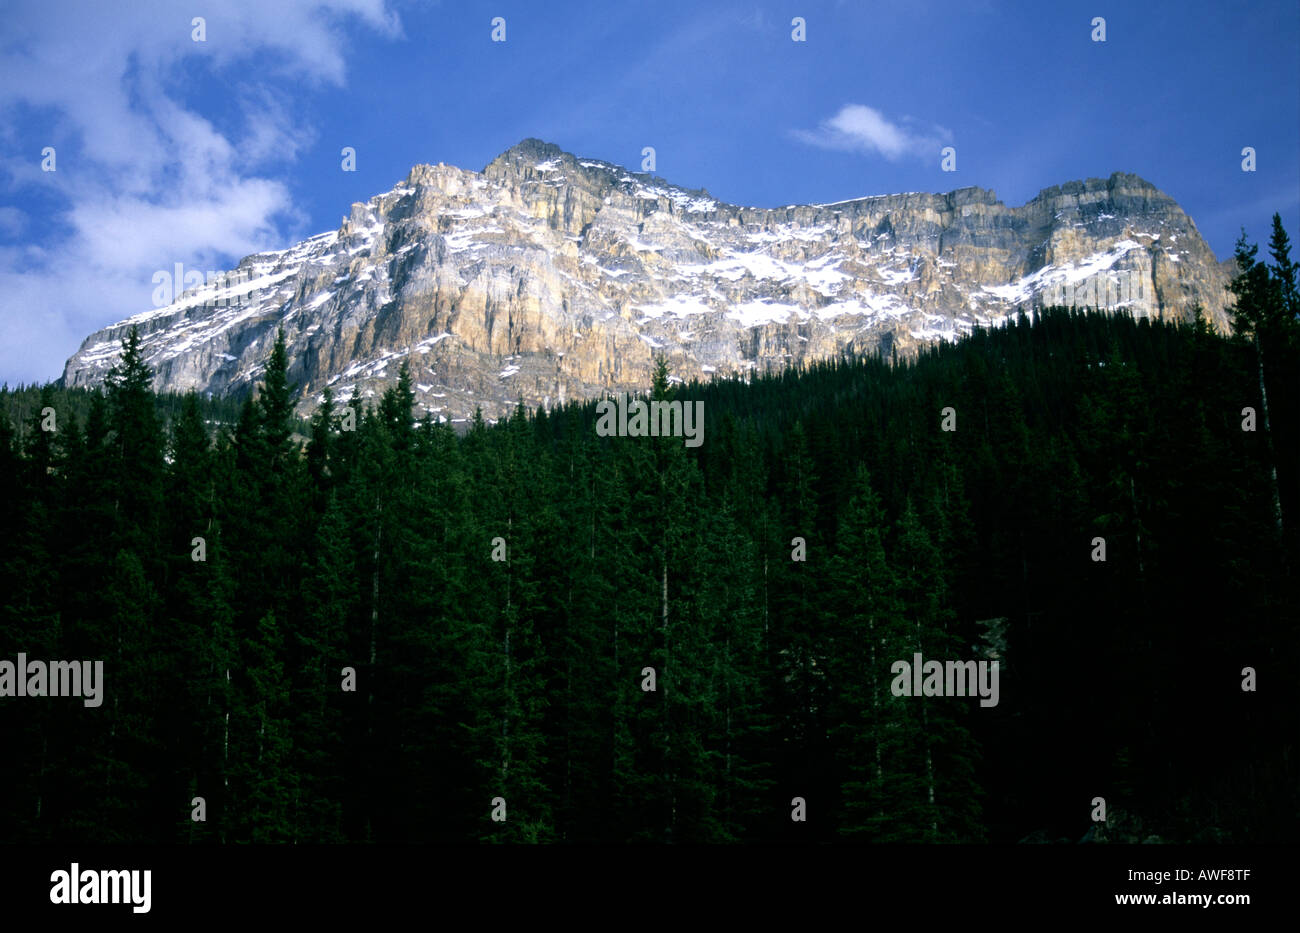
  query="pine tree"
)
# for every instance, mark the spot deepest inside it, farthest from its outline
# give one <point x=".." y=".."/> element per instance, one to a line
<point x="730" y="634"/>
<point x="320" y="450"/>
<point x="1259" y="316"/>
<point x="585" y="682"/>
<point x="264" y="784"/>
<point x="869" y="634"/>
<point x="330" y="604"/>
<point x="799" y="638"/>
<point x="945" y="771"/>
<point x="133" y="804"/>
<point x="1284" y="273"/>
<point x="137" y="445"/>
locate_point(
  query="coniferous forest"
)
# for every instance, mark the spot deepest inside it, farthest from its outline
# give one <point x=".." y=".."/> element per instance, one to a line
<point x="374" y="629"/>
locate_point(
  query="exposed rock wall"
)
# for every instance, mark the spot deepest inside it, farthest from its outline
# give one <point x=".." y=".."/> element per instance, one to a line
<point x="549" y="277"/>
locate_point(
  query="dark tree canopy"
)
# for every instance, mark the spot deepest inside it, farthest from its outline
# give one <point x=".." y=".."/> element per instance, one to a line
<point x="372" y="628"/>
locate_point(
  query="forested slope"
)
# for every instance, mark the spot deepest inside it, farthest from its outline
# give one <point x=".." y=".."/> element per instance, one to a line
<point x="499" y="597"/>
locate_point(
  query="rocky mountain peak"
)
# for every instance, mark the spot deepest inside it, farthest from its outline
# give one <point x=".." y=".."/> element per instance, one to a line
<point x="528" y="152"/>
<point x="549" y="276"/>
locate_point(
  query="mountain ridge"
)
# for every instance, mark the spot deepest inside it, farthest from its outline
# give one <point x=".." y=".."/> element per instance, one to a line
<point x="549" y="276"/>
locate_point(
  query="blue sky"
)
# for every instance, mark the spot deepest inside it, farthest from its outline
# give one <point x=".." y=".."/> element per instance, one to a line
<point x="170" y="150"/>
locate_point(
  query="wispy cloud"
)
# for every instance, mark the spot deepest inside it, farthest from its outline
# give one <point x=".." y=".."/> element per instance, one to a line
<point x="144" y="177"/>
<point x="859" y="128"/>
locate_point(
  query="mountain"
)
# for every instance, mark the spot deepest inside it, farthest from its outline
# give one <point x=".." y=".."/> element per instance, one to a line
<point x="550" y="277"/>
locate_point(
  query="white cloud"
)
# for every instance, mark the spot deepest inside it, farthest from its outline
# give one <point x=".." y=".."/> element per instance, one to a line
<point x="144" y="179"/>
<point x="859" y="128"/>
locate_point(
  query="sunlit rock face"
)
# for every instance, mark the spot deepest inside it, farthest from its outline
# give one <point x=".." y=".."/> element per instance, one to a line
<point x="548" y="277"/>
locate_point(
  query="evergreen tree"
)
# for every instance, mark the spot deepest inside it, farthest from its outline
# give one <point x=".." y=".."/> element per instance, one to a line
<point x="264" y="785"/>
<point x="870" y="634"/>
<point x="137" y="458"/>
<point x="1259" y="315"/>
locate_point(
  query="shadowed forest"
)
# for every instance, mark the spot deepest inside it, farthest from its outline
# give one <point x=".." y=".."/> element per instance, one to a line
<point x="499" y="593"/>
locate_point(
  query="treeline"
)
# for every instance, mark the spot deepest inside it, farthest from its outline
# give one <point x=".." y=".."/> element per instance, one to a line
<point x="393" y="633"/>
<point x="21" y="405"/>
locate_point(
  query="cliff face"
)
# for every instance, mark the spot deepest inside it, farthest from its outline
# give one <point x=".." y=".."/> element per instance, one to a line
<point x="549" y="277"/>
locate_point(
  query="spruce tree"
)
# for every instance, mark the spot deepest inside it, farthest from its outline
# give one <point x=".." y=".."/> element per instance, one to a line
<point x="137" y="445"/>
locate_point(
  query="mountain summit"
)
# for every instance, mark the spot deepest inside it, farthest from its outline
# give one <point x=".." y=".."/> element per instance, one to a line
<point x="550" y="277"/>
